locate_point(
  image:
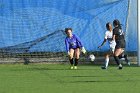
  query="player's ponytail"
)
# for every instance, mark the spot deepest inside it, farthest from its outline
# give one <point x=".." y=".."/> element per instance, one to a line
<point x="108" y="25"/>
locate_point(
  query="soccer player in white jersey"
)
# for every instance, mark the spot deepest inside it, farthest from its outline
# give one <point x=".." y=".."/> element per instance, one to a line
<point x="112" y="44"/>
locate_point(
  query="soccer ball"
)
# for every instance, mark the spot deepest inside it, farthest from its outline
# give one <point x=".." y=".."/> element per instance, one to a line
<point x="91" y="57"/>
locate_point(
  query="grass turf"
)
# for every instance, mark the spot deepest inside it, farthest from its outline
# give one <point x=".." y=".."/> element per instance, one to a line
<point x="57" y="78"/>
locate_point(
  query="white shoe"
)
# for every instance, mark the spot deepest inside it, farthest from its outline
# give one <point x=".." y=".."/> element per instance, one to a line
<point x="120" y="66"/>
<point x="71" y="67"/>
<point x="128" y="63"/>
<point x="75" y="67"/>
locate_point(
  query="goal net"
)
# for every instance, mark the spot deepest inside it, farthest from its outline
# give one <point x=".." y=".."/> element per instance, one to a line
<point x="33" y="29"/>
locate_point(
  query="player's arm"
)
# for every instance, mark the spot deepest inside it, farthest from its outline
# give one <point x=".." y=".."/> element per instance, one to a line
<point x="67" y="46"/>
<point x="114" y="35"/>
<point x="80" y="45"/>
<point x="105" y="38"/>
<point x="102" y="43"/>
<point x="79" y="41"/>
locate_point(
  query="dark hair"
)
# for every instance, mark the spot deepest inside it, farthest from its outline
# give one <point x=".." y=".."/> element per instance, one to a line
<point x="116" y="22"/>
<point x="66" y="29"/>
<point x="107" y="25"/>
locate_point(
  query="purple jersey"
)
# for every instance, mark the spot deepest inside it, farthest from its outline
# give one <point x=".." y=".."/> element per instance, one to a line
<point x="73" y="42"/>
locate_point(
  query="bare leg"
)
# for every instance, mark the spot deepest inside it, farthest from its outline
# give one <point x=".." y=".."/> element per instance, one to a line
<point x="71" y="56"/>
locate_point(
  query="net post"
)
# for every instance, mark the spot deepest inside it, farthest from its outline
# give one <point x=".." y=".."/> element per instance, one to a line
<point x="138" y="31"/>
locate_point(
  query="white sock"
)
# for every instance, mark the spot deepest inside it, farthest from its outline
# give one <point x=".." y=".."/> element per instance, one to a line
<point x="106" y="62"/>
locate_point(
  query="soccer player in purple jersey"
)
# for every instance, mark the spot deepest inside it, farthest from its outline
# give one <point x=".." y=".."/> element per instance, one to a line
<point x="73" y="46"/>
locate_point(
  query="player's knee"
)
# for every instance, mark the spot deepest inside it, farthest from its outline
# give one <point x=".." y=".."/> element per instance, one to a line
<point x="70" y="56"/>
<point x="117" y="53"/>
<point x="77" y="56"/>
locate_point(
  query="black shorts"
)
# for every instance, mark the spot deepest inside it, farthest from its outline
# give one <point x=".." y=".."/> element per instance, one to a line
<point x="120" y="44"/>
<point x="74" y="48"/>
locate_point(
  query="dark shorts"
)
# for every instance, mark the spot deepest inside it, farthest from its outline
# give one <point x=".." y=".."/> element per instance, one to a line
<point x="120" y="44"/>
<point x="74" y="47"/>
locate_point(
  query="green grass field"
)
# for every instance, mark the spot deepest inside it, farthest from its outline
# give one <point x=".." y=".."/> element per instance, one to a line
<point x="57" y="78"/>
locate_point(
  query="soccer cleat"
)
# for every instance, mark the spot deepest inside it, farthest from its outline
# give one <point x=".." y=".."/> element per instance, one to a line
<point x="75" y="67"/>
<point x="126" y="59"/>
<point x="128" y="63"/>
<point x="71" y="67"/>
<point x="103" y="67"/>
<point x="120" y="66"/>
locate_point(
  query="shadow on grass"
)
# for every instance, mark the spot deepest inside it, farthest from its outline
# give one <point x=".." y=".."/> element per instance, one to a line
<point x="84" y="76"/>
<point x="92" y="81"/>
<point x="45" y="68"/>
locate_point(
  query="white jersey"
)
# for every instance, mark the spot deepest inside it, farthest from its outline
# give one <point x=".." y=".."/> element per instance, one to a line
<point x="108" y="36"/>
